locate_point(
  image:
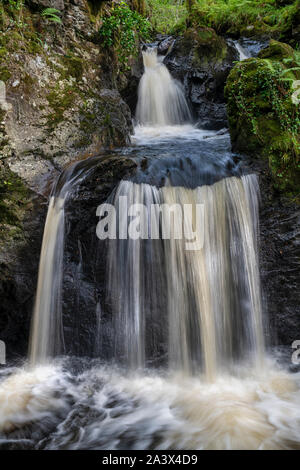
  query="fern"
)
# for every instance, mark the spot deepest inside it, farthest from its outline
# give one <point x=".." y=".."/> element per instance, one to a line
<point x="51" y="14"/>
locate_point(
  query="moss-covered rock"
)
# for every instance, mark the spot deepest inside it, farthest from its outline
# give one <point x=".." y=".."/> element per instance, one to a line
<point x="14" y="200"/>
<point x="272" y="19"/>
<point x="201" y="60"/>
<point x="51" y="73"/>
<point x="209" y="48"/>
<point x="263" y="115"/>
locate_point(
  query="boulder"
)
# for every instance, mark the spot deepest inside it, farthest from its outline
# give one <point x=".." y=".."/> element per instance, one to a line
<point x="202" y="60"/>
<point x="263" y="116"/>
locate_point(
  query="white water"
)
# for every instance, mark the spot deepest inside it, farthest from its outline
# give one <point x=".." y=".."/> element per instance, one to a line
<point x="111" y="410"/>
<point x="212" y="294"/>
<point x="46" y="331"/>
<point x="161" y="101"/>
<point x="242" y="52"/>
<point x="145" y="135"/>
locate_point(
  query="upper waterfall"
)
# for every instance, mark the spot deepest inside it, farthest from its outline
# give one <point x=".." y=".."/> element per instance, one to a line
<point x="161" y="100"/>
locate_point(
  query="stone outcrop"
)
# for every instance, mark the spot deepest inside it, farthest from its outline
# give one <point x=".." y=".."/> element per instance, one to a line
<point x="59" y="103"/>
<point x="263" y="118"/>
<point x="202" y="60"/>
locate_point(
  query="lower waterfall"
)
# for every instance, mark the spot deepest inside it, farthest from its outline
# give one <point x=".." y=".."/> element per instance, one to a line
<point x="206" y="300"/>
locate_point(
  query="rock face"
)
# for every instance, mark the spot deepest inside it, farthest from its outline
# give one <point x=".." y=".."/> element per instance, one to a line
<point x="58" y="4"/>
<point x="263" y="118"/>
<point x="62" y="106"/>
<point x="263" y="124"/>
<point x="58" y="104"/>
<point x="202" y="60"/>
<point x="85" y="275"/>
<point x="279" y="260"/>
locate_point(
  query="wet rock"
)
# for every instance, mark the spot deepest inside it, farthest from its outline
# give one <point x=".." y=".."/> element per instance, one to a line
<point x="279" y="260"/>
<point x="165" y="45"/>
<point x="58" y="105"/>
<point x="201" y="60"/>
<point x="260" y="109"/>
<point x="19" y="259"/>
<point x="129" y="88"/>
<point x="40" y="4"/>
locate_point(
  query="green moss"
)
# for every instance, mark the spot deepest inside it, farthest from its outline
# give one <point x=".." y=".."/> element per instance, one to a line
<point x="14" y="197"/>
<point x="263" y="118"/>
<point x="29" y="83"/>
<point x="59" y="101"/>
<point x="5" y="74"/>
<point x="73" y="66"/>
<point x="248" y="18"/>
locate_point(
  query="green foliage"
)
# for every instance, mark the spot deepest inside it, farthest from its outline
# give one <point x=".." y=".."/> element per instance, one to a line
<point x="168" y="16"/>
<point x="74" y="66"/>
<point x="52" y="14"/>
<point x="13" y="195"/>
<point x="262" y="115"/>
<point x="246" y="17"/>
<point x="59" y="100"/>
<point x="121" y="30"/>
<point x="14" y="9"/>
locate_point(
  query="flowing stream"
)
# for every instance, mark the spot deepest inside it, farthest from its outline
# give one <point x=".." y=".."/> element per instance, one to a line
<point x="181" y="313"/>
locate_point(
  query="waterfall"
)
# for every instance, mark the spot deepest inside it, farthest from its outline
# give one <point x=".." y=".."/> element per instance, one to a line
<point x="46" y="331"/>
<point x="46" y="334"/>
<point x="204" y="303"/>
<point x="161" y="100"/>
<point x="243" y="53"/>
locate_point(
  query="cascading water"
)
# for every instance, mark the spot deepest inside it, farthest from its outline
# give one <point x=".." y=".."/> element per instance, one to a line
<point x="243" y="53"/>
<point x="161" y="99"/>
<point x="47" y="329"/>
<point x="196" y="308"/>
<point x="211" y="295"/>
<point x="47" y="336"/>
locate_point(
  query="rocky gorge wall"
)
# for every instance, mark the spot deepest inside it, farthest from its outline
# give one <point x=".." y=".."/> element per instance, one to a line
<point x="59" y="103"/>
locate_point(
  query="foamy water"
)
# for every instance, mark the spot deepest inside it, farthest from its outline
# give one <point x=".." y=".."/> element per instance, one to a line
<point x="103" y="408"/>
<point x="144" y="135"/>
<point x="161" y="99"/>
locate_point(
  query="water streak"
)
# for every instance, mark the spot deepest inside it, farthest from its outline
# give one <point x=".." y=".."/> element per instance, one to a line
<point x="46" y="331"/>
<point x="243" y="53"/>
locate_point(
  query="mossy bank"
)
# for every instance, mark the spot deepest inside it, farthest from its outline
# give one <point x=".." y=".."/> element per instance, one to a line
<point x="264" y="113"/>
